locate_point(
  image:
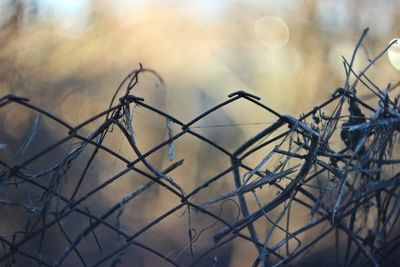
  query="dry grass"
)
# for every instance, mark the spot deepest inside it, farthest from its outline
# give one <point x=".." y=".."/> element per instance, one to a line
<point x="335" y="167"/>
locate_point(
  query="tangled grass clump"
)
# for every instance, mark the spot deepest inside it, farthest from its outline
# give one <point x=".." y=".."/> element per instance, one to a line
<point x="336" y="164"/>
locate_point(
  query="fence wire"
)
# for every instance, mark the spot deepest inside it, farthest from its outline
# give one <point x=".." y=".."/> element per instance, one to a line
<point x="348" y="193"/>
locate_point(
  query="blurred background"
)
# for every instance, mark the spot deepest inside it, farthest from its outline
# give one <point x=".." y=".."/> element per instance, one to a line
<point x="70" y="56"/>
<point x="289" y="53"/>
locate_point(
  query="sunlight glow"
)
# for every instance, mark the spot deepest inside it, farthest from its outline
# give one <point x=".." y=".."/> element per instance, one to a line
<point x="394" y="54"/>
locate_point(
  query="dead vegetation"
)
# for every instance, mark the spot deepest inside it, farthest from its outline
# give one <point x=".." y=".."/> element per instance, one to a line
<point x="337" y="165"/>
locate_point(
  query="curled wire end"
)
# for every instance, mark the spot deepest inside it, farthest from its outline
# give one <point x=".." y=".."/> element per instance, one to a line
<point x="131" y="98"/>
<point x="243" y="94"/>
<point x="13" y="97"/>
<point x="339" y="91"/>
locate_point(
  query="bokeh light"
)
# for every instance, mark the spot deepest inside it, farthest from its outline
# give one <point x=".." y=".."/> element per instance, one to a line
<point x="70" y="56"/>
<point x="394" y="53"/>
<point x="272" y="31"/>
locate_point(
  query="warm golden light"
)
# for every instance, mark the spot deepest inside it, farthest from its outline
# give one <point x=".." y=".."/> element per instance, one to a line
<point x="69" y="57"/>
